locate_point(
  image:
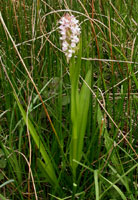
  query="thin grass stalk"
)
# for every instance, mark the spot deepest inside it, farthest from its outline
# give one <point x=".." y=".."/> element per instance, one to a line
<point x="50" y="121"/>
<point x="17" y="24"/>
<point x="95" y="36"/>
<point x="112" y="65"/>
<point x="48" y="165"/>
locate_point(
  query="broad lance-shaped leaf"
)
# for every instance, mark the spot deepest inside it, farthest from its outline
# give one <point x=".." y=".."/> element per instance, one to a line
<point x="48" y="165"/>
<point x="79" y="123"/>
<point x="83" y="113"/>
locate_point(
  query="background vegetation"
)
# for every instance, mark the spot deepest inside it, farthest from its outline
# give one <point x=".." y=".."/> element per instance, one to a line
<point x="35" y="108"/>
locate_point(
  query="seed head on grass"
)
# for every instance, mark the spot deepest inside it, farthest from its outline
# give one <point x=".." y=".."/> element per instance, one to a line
<point x="70" y="32"/>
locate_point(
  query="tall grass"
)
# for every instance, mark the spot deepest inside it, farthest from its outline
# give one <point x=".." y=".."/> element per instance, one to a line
<point x="68" y="131"/>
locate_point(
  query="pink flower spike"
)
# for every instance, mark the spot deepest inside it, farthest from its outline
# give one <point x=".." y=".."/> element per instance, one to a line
<point x="70" y="31"/>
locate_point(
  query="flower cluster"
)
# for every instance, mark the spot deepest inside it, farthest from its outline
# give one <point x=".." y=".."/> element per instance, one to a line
<point x="70" y="31"/>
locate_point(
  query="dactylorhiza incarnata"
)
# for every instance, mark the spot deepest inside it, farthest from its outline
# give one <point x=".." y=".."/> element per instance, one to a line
<point x="70" y="32"/>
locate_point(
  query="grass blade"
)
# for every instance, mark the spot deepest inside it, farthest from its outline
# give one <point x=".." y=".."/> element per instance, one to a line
<point x="48" y="165"/>
<point x="96" y="184"/>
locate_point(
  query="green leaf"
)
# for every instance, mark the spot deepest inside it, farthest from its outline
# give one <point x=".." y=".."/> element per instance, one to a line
<point x="111" y="184"/>
<point x="80" y="122"/>
<point x="2" y="163"/>
<point x="96" y="184"/>
<point x="116" y="188"/>
<point x="12" y="160"/>
<point x="108" y="141"/>
<point x="109" y="144"/>
<point x="2" y="197"/>
<point x="83" y="113"/>
<point x="48" y="165"/>
<point x="1" y="153"/>
<point x="1" y="177"/>
<point x="43" y="169"/>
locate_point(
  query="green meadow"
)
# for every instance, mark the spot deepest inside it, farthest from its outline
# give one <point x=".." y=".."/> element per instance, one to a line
<point x="68" y="127"/>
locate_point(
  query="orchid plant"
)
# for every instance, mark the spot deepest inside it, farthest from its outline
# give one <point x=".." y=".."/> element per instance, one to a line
<point x="72" y="44"/>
